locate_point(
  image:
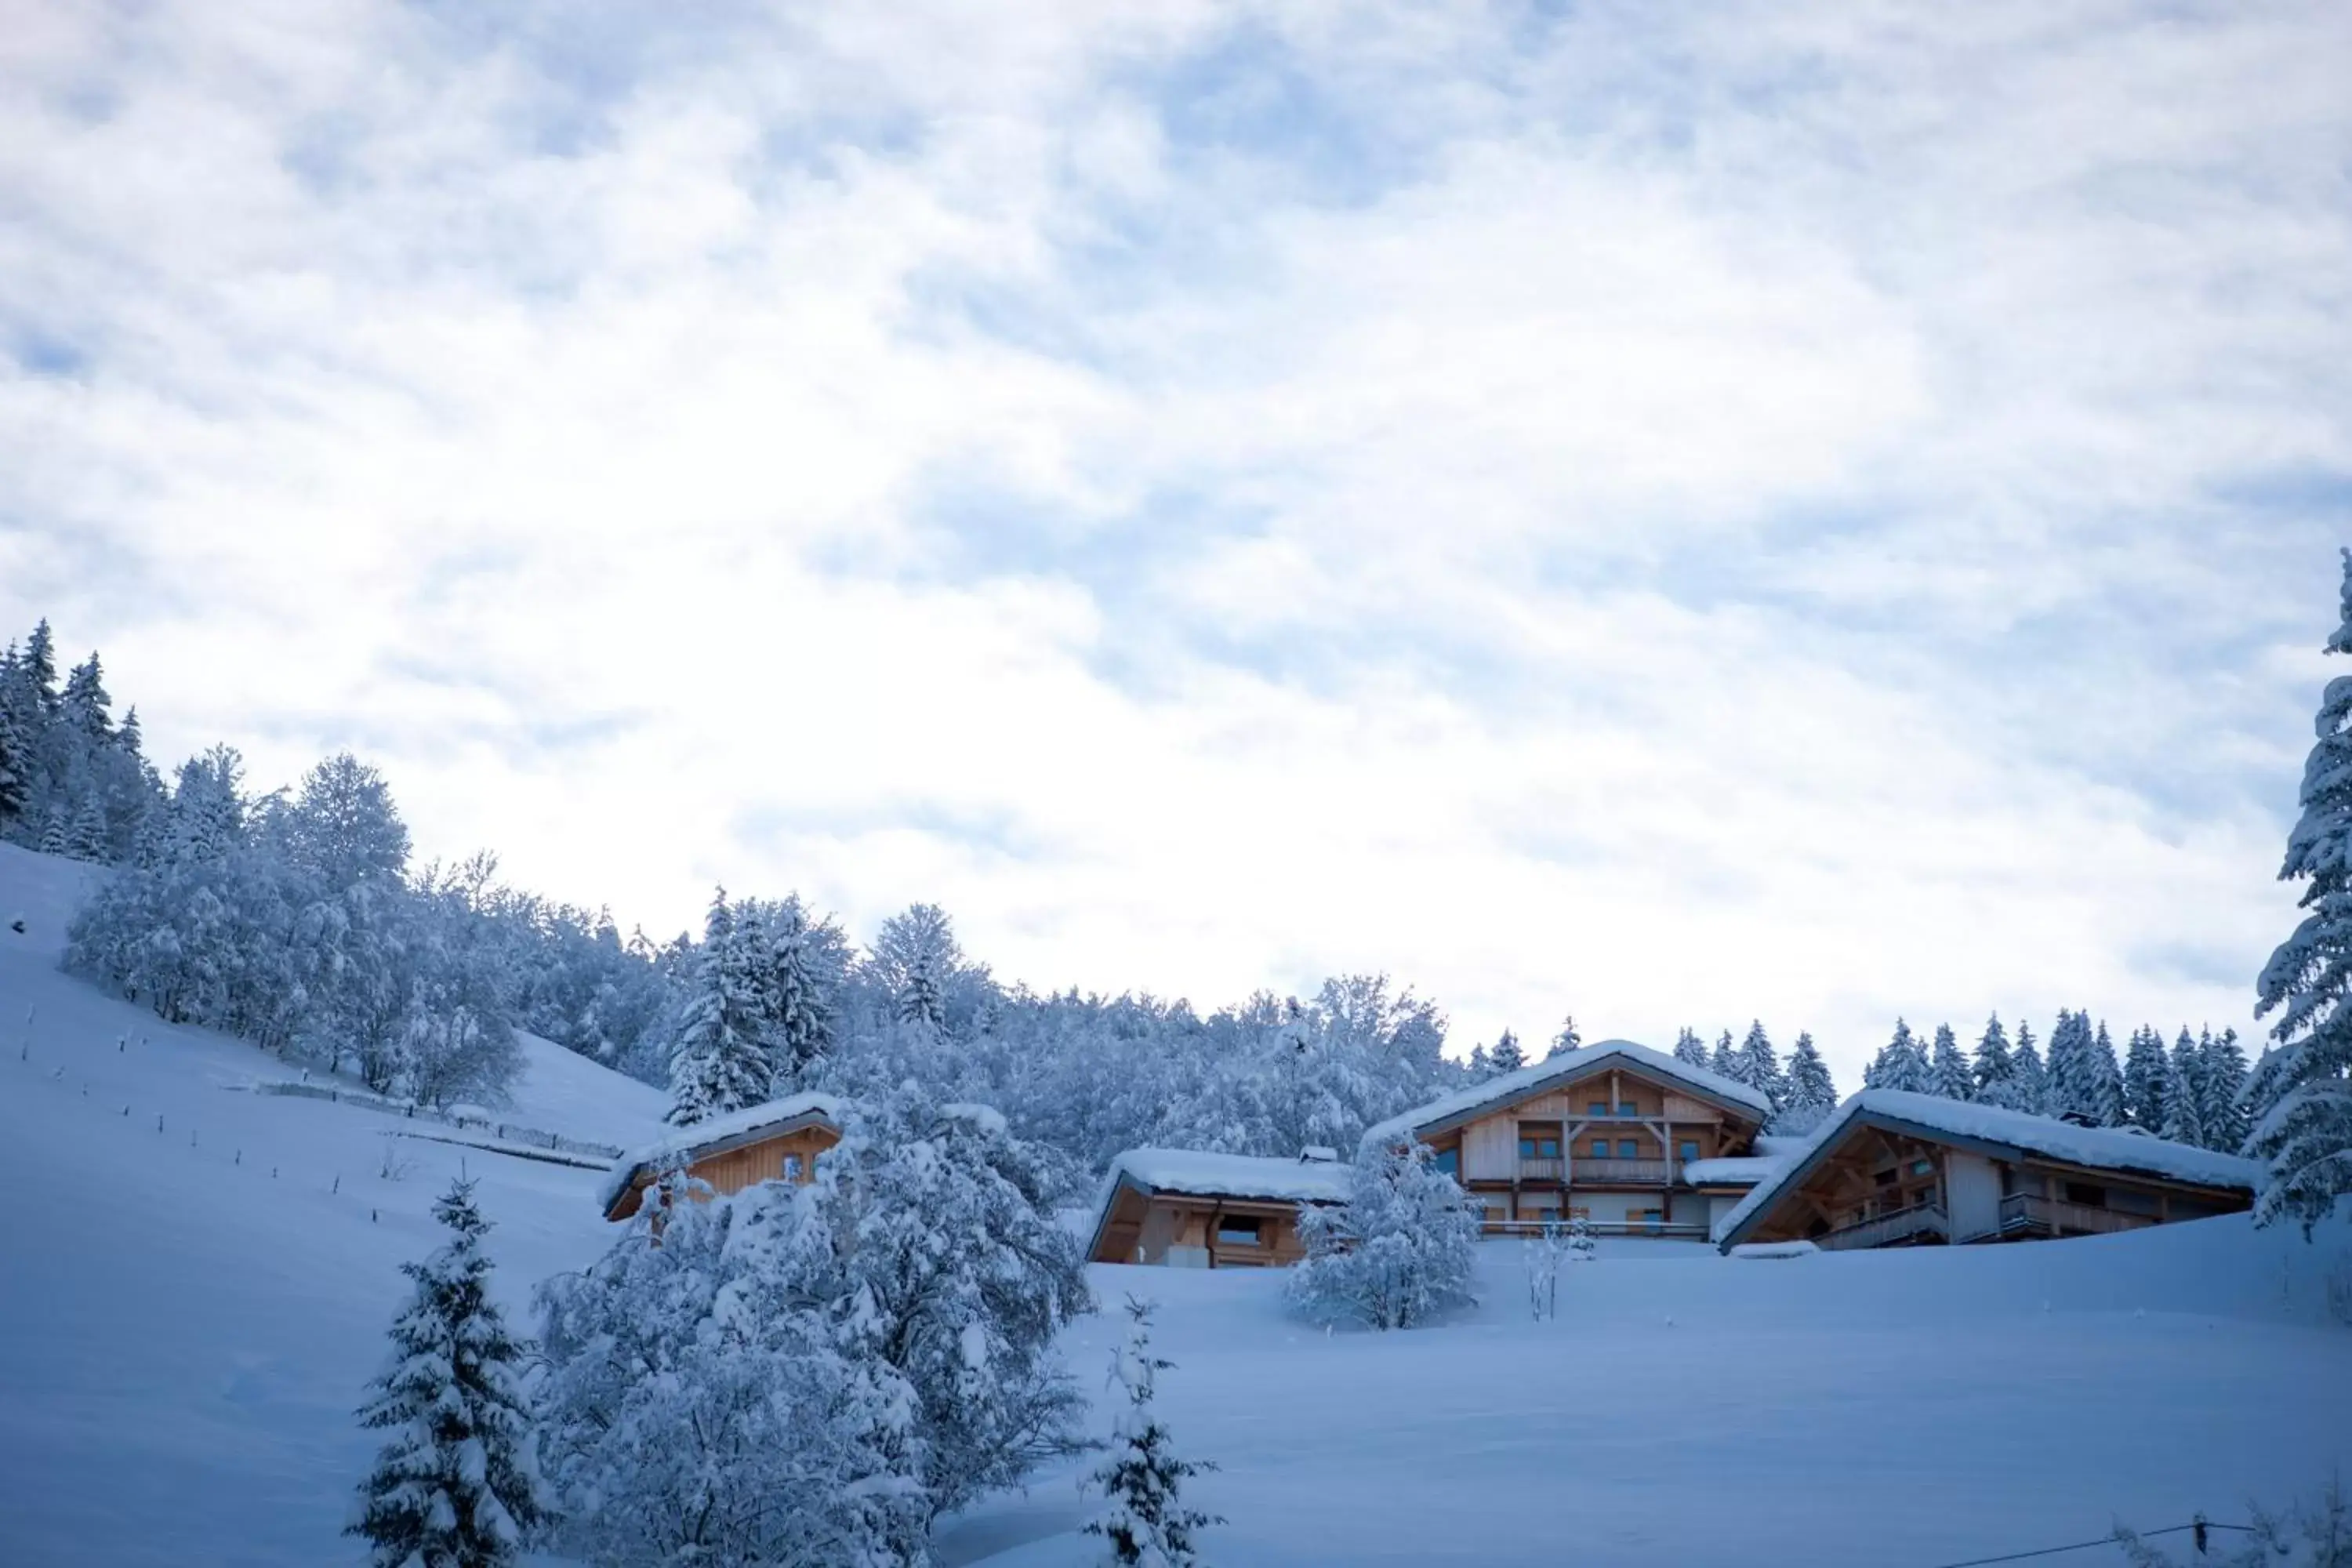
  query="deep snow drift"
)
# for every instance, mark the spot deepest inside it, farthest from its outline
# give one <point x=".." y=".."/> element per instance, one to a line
<point x="183" y="1336"/>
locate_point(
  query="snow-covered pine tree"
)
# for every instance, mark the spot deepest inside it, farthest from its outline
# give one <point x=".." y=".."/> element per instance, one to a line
<point x="1993" y="1069"/>
<point x="1148" y="1524"/>
<point x="2300" y="1095"/>
<point x="1400" y="1247"/>
<point x="2146" y="1094"/>
<point x="1758" y="1065"/>
<point x="1507" y="1057"/>
<point x="86" y="840"/>
<point x="2085" y="1081"/>
<point x="720" y="1063"/>
<point x="40" y="667"/>
<point x="1725" y="1059"/>
<point x="2108" y="1078"/>
<point x="16" y="763"/>
<point x="85" y="702"/>
<point x="2183" y="1120"/>
<point x="2029" y="1075"/>
<point x="54" y="838"/>
<point x="1567" y="1040"/>
<point x="453" y="1488"/>
<point x="1689" y="1048"/>
<point x="1812" y="1094"/>
<point x="2224" y="1109"/>
<point x="1901" y="1064"/>
<point x="1953" y="1078"/>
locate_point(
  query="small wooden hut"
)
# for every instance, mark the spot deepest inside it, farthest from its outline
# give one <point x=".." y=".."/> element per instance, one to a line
<point x="1190" y="1209"/>
<point x="778" y="1141"/>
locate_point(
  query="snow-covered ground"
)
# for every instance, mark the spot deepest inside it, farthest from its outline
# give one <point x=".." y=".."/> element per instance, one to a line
<point x="186" y="1328"/>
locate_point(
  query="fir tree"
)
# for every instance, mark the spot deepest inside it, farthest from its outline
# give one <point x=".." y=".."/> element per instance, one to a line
<point x="2146" y="1092"/>
<point x="2108" y="1076"/>
<point x="1901" y="1064"/>
<point x="38" y="666"/>
<point x="451" y="1488"/>
<point x="1993" y="1069"/>
<point x="55" y="839"/>
<point x="2084" y="1082"/>
<point x="1690" y="1048"/>
<point x="1567" y="1040"/>
<point x="1506" y="1056"/>
<point x="798" y="1003"/>
<point x="2300" y="1095"/>
<point x="16" y="763"/>
<point x="720" y="1063"/>
<point x="1950" y="1069"/>
<point x="2183" y="1118"/>
<point x="86" y="839"/>
<point x="1725" y="1061"/>
<point x="1757" y="1066"/>
<point x="85" y="702"/>
<point x="1812" y="1094"/>
<point x="2030" y="1075"/>
<point x="2223" y="1108"/>
<point x="1142" y="1478"/>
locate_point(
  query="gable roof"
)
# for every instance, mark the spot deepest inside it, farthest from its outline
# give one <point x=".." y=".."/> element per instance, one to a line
<point x="1201" y="1173"/>
<point x="1990" y="1129"/>
<point x="749" y="1125"/>
<point x="1465" y="1104"/>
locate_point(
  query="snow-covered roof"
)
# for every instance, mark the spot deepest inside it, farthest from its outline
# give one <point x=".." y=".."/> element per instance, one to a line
<point x="1537" y="1076"/>
<point x="1230" y="1175"/>
<point x="1732" y="1172"/>
<point x="2131" y="1152"/>
<point x="682" y="1145"/>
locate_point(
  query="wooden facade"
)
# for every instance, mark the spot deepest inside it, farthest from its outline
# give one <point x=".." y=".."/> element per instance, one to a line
<point x="1191" y="1208"/>
<point x="1608" y="1144"/>
<point x="1883" y="1180"/>
<point x="785" y="1149"/>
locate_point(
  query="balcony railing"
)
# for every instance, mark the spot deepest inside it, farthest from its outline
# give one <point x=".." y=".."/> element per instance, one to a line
<point x="1640" y="1172"/>
<point x="1534" y="1169"/>
<point x="1918" y="1221"/>
<point x="1668" y="1229"/>
<point x="2023" y="1213"/>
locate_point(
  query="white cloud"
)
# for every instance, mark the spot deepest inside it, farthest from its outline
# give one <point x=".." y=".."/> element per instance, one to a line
<point x="1682" y="516"/>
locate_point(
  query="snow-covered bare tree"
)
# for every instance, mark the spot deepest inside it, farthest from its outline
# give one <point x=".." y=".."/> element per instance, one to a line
<point x="453" y="1488"/>
<point x="1142" y="1478"/>
<point x="1397" y="1249"/>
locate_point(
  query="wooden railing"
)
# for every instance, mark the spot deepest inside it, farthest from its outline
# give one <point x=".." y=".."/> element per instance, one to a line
<point x="1542" y="1170"/>
<point x="1650" y="1173"/>
<point x="2024" y="1211"/>
<point x="1668" y="1230"/>
<point x="1903" y="1225"/>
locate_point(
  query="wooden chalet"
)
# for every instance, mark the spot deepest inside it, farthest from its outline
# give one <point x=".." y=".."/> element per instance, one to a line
<point x="1896" y="1169"/>
<point x="777" y="1142"/>
<point x="1610" y="1133"/>
<point x="1190" y="1209"/>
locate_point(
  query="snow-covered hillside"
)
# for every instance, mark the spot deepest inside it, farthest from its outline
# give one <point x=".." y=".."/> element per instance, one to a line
<point x="188" y="1315"/>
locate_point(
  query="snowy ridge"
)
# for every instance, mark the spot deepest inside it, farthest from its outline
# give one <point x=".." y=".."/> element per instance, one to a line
<point x="679" y="1144"/>
<point x="1541" y="1075"/>
<point x="2103" y="1148"/>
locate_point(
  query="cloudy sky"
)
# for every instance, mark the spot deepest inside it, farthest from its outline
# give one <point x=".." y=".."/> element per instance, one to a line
<point x="1676" y="512"/>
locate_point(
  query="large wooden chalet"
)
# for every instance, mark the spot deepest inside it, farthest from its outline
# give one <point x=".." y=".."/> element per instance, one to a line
<point x="1895" y="1169"/>
<point x="1190" y="1209"/>
<point x="777" y="1142"/>
<point x="1630" y="1139"/>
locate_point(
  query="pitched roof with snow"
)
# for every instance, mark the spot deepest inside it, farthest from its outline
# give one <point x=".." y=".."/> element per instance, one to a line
<point x="1200" y="1173"/>
<point x="1537" y="1076"/>
<point x="684" y="1145"/>
<point x="1732" y="1172"/>
<point x="2125" y="1151"/>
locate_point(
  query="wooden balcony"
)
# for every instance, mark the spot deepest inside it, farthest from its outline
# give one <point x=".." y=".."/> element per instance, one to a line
<point x="1543" y="1169"/>
<point x="1622" y="1173"/>
<point x="1919" y="1223"/>
<point x="2022" y="1214"/>
<point x="1666" y="1229"/>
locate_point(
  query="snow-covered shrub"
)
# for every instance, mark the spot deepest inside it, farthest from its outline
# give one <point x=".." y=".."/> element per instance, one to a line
<point x="453" y="1486"/>
<point x="694" y="1411"/>
<point x="2318" y="1535"/>
<point x="1148" y="1526"/>
<point x="1400" y="1247"/>
<point x="894" y="1318"/>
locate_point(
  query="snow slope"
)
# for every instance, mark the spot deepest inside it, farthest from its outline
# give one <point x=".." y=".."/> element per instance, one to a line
<point x="183" y="1336"/>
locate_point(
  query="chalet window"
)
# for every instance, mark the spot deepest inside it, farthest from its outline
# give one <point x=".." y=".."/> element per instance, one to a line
<point x="2088" y="1195"/>
<point x="1886" y="1178"/>
<point x="1627" y="1108"/>
<point x="1601" y="1148"/>
<point x="1628" y="1149"/>
<point x="1600" y="1108"/>
<point x="1540" y="1148"/>
<point x="1922" y="1167"/>
<point x="1448" y="1160"/>
<point x="1235" y="1231"/>
<point x="1686" y="1150"/>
